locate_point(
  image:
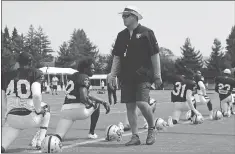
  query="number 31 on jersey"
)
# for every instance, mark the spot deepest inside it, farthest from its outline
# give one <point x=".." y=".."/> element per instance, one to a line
<point x="179" y="89"/>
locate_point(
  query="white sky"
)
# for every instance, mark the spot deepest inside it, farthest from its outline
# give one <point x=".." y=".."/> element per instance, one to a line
<point x="171" y="21"/>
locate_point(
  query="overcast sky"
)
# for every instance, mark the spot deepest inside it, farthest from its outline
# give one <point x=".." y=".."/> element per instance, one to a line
<point x="172" y="22"/>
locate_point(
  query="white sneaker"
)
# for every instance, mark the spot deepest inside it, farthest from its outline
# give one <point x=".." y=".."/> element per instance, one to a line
<point x="211" y="115"/>
<point x="170" y="122"/>
<point x="121" y="126"/>
<point x="38" y="144"/>
<point x="94" y="136"/>
<point x="229" y="113"/>
<point x="35" y="139"/>
<point x="146" y="126"/>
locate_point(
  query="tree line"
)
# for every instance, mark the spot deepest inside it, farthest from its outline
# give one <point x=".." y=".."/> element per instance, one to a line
<point x="79" y="45"/>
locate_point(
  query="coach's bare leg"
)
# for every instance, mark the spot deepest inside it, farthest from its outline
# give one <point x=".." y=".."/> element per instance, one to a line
<point x="132" y="117"/>
<point x="147" y="112"/>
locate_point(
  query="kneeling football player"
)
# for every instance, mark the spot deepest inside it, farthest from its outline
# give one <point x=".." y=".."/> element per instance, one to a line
<point x="22" y="90"/>
<point x="224" y="86"/>
<point x="182" y="94"/>
<point x="78" y="103"/>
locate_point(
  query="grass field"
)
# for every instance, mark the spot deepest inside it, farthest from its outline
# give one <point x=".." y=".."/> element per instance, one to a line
<point x="211" y="136"/>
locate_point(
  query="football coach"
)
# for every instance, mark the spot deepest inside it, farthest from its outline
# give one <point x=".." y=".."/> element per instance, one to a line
<point x="137" y="62"/>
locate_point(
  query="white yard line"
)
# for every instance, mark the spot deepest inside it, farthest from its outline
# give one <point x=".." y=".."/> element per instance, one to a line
<point x="95" y="141"/>
<point x="102" y="139"/>
<point x="127" y="134"/>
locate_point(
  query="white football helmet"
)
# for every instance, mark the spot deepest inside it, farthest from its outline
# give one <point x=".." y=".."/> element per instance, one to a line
<point x="51" y="144"/>
<point x="197" y="119"/>
<point x="113" y="132"/>
<point x="160" y="124"/>
<point x="217" y="115"/>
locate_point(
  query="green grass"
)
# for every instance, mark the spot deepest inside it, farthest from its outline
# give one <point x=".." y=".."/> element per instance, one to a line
<point x="211" y="136"/>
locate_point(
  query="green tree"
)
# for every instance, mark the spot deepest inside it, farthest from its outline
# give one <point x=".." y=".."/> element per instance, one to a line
<point x="230" y="54"/>
<point x="43" y="42"/>
<point x="78" y="46"/>
<point x="6" y="39"/>
<point x="191" y="58"/>
<point x="30" y="40"/>
<point x="109" y="61"/>
<point x="43" y="46"/>
<point x="215" y="62"/>
<point x="167" y="63"/>
<point x="100" y="64"/>
<point x="38" y="44"/>
<point x="7" y="56"/>
<point x="17" y="42"/>
<point x="65" y="57"/>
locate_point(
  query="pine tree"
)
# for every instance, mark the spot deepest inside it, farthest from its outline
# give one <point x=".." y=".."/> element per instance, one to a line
<point x="30" y="40"/>
<point x="230" y="54"/>
<point x="109" y="60"/>
<point x="43" y="46"/>
<point x="38" y="44"/>
<point x="43" y="42"/>
<point x="17" y="42"/>
<point x="191" y="58"/>
<point x="78" y="46"/>
<point x="7" y="56"/>
<point x="65" y="57"/>
<point x="6" y="39"/>
<point x="100" y="64"/>
<point x="215" y="61"/>
<point x="167" y="64"/>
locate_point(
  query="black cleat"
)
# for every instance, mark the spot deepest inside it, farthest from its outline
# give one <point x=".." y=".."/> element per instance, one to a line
<point x="106" y="106"/>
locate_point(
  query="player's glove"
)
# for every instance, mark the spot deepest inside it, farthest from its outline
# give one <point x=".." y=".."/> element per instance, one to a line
<point x="90" y="104"/>
<point x="43" y="111"/>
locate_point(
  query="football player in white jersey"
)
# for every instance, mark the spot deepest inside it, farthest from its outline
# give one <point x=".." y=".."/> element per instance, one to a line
<point x="78" y="103"/>
<point x="22" y="89"/>
<point x="201" y="95"/>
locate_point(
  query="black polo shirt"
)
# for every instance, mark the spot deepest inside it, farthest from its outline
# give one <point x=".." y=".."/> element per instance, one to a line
<point x="135" y="53"/>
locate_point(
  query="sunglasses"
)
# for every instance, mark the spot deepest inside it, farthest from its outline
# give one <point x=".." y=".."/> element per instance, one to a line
<point x="126" y="15"/>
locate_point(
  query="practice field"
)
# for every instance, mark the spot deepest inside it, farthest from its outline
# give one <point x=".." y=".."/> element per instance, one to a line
<point x="211" y="136"/>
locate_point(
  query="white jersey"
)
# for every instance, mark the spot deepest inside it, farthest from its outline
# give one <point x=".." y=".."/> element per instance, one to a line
<point x="15" y="102"/>
<point x="17" y="86"/>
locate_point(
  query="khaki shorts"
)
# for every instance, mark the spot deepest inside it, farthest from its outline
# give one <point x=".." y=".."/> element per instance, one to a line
<point x="130" y="93"/>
